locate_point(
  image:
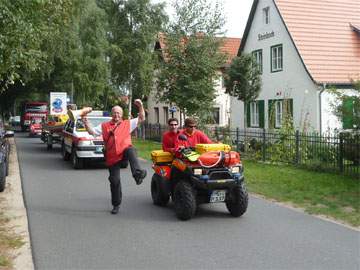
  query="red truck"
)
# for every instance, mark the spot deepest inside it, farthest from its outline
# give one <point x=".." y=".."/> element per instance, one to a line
<point x="34" y="109"/>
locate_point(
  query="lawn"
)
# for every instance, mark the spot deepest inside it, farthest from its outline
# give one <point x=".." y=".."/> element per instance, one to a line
<point x="327" y="194"/>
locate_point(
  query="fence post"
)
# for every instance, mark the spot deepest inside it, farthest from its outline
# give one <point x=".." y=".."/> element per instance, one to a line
<point x="216" y="133"/>
<point x="297" y="146"/>
<point x="341" y="153"/>
<point x="263" y="145"/>
<point x="237" y="139"/>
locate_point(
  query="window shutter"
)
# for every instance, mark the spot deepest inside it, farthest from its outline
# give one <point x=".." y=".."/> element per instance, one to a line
<point x="247" y="108"/>
<point x="291" y="104"/>
<point x="261" y="113"/>
<point x="347" y="113"/>
<point x="271" y="113"/>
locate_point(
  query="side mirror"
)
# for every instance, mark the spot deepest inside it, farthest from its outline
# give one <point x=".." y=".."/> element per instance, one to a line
<point x="182" y="137"/>
<point x="9" y="133"/>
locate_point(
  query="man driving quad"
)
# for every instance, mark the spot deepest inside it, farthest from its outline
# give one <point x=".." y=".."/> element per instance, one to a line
<point x="193" y="135"/>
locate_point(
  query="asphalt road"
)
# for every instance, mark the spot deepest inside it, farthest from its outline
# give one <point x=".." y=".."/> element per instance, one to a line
<point x="71" y="227"/>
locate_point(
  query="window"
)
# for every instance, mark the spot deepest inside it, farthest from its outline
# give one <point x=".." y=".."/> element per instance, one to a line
<point x="216" y="115"/>
<point x="280" y="110"/>
<point x="257" y="56"/>
<point x="254" y="114"/>
<point x="276" y="58"/>
<point x="157" y="117"/>
<point x="166" y="114"/>
<point x="266" y="15"/>
<point x="278" y="113"/>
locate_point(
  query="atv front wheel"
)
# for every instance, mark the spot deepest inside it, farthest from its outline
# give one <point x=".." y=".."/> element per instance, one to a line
<point x="158" y="194"/>
<point x="237" y="200"/>
<point x="184" y="201"/>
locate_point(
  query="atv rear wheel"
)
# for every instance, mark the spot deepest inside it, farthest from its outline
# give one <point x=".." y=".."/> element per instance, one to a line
<point x="184" y="200"/>
<point x="237" y="200"/>
<point x="158" y="194"/>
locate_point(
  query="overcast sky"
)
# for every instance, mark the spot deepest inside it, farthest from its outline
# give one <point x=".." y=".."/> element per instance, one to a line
<point x="236" y="13"/>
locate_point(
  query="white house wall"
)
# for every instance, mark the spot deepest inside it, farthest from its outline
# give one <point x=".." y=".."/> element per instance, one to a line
<point x="292" y="82"/>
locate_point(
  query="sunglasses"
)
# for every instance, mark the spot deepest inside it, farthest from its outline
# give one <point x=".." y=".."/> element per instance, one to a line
<point x="173" y="124"/>
<point x="191" y="126"/>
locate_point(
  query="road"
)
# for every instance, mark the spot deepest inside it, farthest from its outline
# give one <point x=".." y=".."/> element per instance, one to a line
<point x="71" y="227"/>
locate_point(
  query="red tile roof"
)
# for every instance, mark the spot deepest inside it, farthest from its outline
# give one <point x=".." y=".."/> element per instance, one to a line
<point x="230" y="46"/>
<point x="326" y="34"/>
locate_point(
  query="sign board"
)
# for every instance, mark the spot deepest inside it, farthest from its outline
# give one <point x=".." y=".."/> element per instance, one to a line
<point x="58" y="103"/>
<point x="172" y="109"/>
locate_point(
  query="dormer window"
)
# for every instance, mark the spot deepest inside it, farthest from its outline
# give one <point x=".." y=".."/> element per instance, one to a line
<point x="266" y="15"/>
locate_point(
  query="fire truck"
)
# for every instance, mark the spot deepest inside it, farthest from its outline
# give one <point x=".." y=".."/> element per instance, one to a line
<point x="34" y="109"/>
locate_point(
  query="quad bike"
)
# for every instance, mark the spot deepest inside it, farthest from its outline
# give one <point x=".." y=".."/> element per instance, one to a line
<point x="212" y="173"/>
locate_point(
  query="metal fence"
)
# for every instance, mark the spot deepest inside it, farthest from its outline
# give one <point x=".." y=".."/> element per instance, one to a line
<point x="333" y="153"/>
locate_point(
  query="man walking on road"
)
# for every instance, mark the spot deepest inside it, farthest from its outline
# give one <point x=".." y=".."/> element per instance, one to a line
<point x="117" y="142"/>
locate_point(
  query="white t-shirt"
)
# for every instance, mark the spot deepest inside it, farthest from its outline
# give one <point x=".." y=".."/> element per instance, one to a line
<point x="133" y="124"/>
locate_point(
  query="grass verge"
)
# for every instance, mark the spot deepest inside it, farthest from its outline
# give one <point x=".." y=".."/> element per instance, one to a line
<point x="8" y="242"/>
<point x="331" y="195"/>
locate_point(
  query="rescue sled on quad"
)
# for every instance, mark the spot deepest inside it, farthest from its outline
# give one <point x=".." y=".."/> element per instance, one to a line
<point x="210" y="173"/>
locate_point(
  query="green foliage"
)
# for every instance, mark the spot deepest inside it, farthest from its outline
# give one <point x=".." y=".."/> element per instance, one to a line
<point x="243" y="78"/>
<point x="25" y="28"/>
<point x="191" y="57"/>
<point x="134" y="25"/>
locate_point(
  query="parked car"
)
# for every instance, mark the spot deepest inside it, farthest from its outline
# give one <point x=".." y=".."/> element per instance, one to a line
<point x="35" y="127"/>
<point x="4" y="154"/>
<point x="78" y="145"/>
<point x="14" y="121"/>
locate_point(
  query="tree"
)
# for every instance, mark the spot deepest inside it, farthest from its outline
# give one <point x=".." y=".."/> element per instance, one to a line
<point x="133" y="26"/>
<point x="347" y="107"/>
<point x="191" y="57"/>
<point x="242" y="79"/>
<point x="25" y="26"/>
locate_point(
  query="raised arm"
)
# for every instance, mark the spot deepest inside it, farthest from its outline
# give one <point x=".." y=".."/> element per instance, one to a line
<point x="140" y="106"/>
<point x="89" y="128"/>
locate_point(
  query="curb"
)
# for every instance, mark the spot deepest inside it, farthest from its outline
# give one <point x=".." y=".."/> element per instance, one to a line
<point x="15" y="210"/>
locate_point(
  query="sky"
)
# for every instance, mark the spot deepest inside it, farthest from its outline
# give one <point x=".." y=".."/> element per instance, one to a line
<point x="236" y="13"/>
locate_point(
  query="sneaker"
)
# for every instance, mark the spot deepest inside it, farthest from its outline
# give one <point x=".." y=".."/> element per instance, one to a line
<point x="141" y="174"/>
<point x="115" y="210"/>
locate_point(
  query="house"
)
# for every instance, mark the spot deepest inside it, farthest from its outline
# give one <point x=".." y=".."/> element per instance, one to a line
<point x="159" y="113"/>
<point x="303" y="48"/>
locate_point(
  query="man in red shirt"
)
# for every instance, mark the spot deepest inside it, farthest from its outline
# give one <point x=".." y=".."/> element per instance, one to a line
<point x="194" y="136"/>
<point x="118" y="146"/>
<point x="169" y="137"/>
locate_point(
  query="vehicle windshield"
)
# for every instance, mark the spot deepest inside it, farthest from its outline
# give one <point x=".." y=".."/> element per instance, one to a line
<point x="94" y="121"/>
<point x="35" y="108"/>
<point x="36" y="121"/>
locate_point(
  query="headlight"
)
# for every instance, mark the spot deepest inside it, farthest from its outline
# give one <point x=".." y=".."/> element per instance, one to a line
<point x="235" y="169"/>
<point x="85" y="143"/>
<point x="197" y="171"/>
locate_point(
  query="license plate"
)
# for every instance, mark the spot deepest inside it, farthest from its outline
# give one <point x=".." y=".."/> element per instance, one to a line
<point x="218" y="196"/>
<point x="98" y="150"/>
